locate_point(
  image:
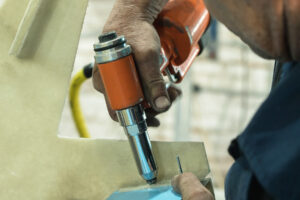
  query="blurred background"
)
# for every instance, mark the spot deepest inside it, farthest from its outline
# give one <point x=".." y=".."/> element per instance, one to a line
<point x="222" y="91"/>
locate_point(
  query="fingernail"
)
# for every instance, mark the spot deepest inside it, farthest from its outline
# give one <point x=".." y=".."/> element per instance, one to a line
<point x="162" y="102"/>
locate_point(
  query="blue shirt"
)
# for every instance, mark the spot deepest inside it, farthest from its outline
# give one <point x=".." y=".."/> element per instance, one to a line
<point x="267" y="153"/>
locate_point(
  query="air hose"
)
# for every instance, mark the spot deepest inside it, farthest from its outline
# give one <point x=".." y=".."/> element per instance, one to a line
<point x="80" y="77"/>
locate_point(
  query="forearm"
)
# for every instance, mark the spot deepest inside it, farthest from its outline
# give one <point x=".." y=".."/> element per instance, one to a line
<point x="271" y="28"/>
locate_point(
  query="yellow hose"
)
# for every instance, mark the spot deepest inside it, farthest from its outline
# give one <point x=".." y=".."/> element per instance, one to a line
<point x="76" y="83"/>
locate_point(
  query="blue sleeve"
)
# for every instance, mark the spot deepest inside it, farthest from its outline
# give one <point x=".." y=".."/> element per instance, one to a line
<point x="269" y="148"/>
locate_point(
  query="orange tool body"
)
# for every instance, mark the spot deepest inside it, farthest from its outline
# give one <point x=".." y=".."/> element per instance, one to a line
<point x="180" y="26"/>
<point x="121" y="81"/>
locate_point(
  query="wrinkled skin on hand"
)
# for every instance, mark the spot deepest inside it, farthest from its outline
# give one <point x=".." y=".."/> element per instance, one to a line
<point x="189" y="186"/>
<point x="134" y="21"/>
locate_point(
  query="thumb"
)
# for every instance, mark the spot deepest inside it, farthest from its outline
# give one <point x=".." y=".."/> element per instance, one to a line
<point x="155" y="91"/>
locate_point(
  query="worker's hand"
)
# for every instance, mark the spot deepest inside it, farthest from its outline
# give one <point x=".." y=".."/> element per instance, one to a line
<point x="134" y="19"/>
<point x="172" y="91"/>
<point x="189" y="186"/>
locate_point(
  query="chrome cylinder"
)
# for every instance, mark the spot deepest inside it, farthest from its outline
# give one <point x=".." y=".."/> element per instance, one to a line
<point x="133" y="120"/>
<point x="111" y="47"/>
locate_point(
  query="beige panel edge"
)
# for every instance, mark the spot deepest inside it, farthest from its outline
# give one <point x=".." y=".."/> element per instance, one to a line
<point x="24" y="27"/>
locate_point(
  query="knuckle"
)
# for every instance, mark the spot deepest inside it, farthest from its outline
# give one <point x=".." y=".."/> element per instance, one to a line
<point x="156" y="81"/>
<point x="153" y="78"/>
